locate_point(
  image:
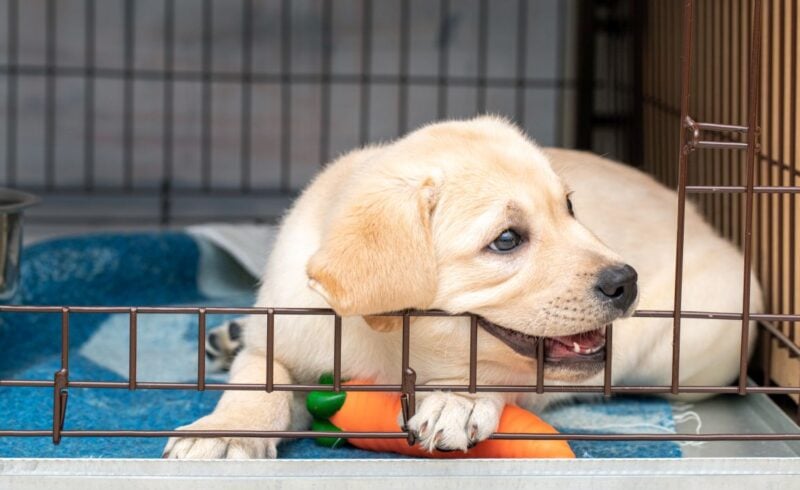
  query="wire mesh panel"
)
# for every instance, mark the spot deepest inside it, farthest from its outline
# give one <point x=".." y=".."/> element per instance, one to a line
<point x="719" y="94"/>
<point x="130" y="100"/>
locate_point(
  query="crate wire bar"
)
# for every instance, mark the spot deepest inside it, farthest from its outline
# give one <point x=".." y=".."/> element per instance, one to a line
<point x="61" y="382"/>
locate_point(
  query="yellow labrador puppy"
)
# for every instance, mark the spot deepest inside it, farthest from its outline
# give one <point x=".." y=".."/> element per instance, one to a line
<point x="471" y="216"/>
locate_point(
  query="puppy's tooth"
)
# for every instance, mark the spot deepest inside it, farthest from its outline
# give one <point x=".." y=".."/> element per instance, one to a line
<point x="576" y="347"/>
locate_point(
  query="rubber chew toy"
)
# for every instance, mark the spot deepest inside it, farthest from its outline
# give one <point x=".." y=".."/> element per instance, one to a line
<point x="363" y="411"/>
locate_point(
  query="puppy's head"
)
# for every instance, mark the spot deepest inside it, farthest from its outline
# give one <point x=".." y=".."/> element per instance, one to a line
<point x="469" y="217"/>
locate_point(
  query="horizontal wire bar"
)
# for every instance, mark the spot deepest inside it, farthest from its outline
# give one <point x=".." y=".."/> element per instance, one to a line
<point x="739" y="189"/>
<point x="276" y="78"/>
<point x="791" y="436"/>
<point x="162" y="385"/>
<point x="255" y="193"/>
<point x="154" y="189"/>
<point x="255" y="310"/>
<point x="719" y="145"/>
<point x="99" y="220"/>
<point x="720" y="127"/>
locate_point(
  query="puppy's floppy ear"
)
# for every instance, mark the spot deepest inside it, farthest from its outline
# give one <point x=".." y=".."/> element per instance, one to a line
<point x="377" y="253"/>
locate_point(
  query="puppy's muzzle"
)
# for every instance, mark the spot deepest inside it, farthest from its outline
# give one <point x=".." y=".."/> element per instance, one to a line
<point x="616" y="286"/>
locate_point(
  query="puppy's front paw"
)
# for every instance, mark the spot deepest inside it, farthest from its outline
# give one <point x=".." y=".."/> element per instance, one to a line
<point x="447" y="421"/>
<point x="218" y="448"/>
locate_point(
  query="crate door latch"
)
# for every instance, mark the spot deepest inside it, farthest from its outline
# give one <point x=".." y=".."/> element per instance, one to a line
<point x="59" y="403"/>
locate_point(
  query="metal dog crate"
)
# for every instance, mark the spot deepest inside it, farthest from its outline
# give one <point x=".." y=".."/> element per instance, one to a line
<point x="165" y="112"/>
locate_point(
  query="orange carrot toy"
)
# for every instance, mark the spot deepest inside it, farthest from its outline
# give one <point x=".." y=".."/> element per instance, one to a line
<point x="363" y="411"/>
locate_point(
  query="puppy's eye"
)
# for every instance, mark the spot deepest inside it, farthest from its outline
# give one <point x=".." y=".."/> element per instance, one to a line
<point x="506" y="241"/>
<point x="570" y="208"/>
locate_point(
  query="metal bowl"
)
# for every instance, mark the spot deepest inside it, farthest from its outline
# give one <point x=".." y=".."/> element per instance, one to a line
<point x="12" y="203"/>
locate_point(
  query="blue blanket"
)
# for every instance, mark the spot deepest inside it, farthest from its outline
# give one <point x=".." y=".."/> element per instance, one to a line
<point x="173" y="269"/>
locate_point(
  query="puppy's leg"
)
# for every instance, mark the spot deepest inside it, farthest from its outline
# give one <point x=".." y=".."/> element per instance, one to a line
<point x="223" y="343"/>
<point x="449" y="421"/>
<point x="240" y="410"/>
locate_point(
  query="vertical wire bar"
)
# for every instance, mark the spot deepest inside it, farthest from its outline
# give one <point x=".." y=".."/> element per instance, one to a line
<point x="720" y="158"/>
<point x="540" y="365"/>
<point x="610" y="78"/>
<point x="402" y="90"/>
<point x="771" y="273"/>
<point x="644" y="87"/>
<point x="61" y="380"/>
<point x="337" y="353"/>
<point x="325" y="85"/>
<point x="50" y="96"/>
<point x="674" y="87"/>
<point x="270" y="350"/>
<point x="169" y="110"/>
<point x="521" y="65"/>
<point x="664" y="85"/>
<point x="738" y="160"/>
<point x="206" y="96"/>
<point x="762" y="241"/>
<point x="286" y="95"/>
<point x="726" y="21"/>
<point x="655" y="107"/>
<point x="651" y="158"/>
<point x="621" y="87"/>
<point x="12" y="43"/>
<point x="201" y="349"/>
<point x="408" y="380"/>
<point x="586" y="51"/>
<point x="483" y="48"/>
<point x="128" y="95"/>
<point x="658" y="89"/>
<point x="793" y="298"/>
<point x="704" y="66"/>
<point x="636" y="129"/>
<point x="443" y="58"/>
<point x="753" y="87"/>
<point x="686" y="70"/>
<point x="366" y="70"/>
<point x="609" y="358"/>
<point x="90" y="29"/>
<point x="245" y="109"/>
<point x="406" y="349"/>
<point x="705" y="59"/>
<point x="735" y="170"/>
<point x="782" y="159"/>
<point x="132" y="347"/>
<point x="65" y="338"/>
<point x="662" y="46"/>
<point x="473" y="353"/>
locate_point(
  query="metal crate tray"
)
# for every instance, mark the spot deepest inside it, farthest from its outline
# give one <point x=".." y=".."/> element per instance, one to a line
<point x="710" y="465"/>
<point x="733" y="414"/>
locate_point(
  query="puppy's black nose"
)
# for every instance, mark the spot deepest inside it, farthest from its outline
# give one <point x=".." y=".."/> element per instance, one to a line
<point x="617" y="285"/>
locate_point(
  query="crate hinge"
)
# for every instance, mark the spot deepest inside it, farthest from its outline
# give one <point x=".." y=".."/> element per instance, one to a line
<point x="696" y="130"/>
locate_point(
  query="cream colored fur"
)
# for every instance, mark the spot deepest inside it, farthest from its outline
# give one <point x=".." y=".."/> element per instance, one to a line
<point x="406" y="225"/>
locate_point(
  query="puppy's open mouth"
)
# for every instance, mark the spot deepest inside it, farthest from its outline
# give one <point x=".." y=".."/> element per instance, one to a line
<point x="587" y="346"/>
